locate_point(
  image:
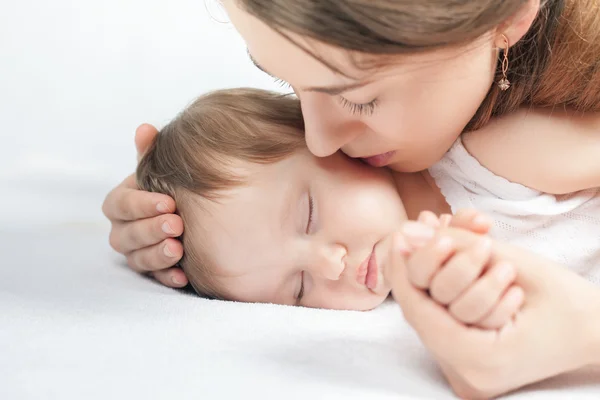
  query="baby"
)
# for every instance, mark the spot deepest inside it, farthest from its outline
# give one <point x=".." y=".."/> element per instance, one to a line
<point x="266" y="221"/>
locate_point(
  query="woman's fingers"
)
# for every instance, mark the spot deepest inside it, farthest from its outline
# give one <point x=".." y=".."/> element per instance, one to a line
<point x="505" y="310"/>
<point x="171" y="277"/>
<point x="155" y="258"/>
<point x="431" y="321"/>
<point x="127" y="203"/>
<point x="131" y="236"/>
<point x="143" y="224"/>
<point x="144" y="135"/>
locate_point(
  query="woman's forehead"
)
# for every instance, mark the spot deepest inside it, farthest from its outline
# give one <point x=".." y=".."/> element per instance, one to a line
<point x="306" y="62"/>
<point x="283" y="52"/>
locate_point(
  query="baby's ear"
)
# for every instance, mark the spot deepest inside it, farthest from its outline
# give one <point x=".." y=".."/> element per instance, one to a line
<point x="144" y="135"/>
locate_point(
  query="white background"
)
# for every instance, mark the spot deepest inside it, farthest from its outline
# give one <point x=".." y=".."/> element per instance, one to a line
<point x="77" y="78"/>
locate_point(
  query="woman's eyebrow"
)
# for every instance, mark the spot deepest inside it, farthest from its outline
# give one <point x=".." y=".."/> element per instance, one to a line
<point x="332" y="90"/>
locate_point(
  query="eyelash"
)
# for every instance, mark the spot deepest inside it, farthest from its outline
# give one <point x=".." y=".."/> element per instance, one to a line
<point x="283" y="83"/>
<point x="359" y="109"/>
<point x="301" y="293"/>
<point x="311" y="207"/>
<point x="355" y="109"/>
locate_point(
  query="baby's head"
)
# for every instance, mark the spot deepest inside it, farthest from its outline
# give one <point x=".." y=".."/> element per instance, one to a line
<point x="265" y="220"/>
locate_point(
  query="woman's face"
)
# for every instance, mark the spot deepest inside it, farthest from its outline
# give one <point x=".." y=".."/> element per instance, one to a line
<point x="405" y="115"/>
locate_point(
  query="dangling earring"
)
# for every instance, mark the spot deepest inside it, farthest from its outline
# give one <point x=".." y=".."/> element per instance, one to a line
<point x="504" y="83"/>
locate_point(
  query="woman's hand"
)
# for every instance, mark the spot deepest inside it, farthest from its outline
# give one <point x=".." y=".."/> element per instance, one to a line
<point x="144" y="227"/>
<point x="556" y="330"/>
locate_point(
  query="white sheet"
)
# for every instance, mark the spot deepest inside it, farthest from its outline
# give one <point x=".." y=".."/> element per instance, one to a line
<point x="75" y="323"/>
<point x="76" y="78"/>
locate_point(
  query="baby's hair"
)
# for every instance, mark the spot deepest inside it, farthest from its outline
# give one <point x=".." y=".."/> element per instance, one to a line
<point x="191" y="160"/>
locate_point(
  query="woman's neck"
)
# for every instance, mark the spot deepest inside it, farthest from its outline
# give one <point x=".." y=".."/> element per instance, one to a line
<point x="419" y="192"/>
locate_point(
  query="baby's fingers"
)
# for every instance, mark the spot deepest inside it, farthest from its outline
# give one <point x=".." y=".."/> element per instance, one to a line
<point x="430" y="219"/>
<point x="484" y="295"/>
<point x="424" y="263"/>
<point x="471" y="220"/>
<point x="460" y="272"/>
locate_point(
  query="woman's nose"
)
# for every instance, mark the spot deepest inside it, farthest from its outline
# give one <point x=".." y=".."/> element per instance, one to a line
<point x="329" y="262"/>
<point x="326" y="129"/>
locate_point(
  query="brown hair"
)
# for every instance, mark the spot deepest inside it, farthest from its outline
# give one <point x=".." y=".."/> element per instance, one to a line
<point x="557" y="63"/>
<point x="194" y="153"/>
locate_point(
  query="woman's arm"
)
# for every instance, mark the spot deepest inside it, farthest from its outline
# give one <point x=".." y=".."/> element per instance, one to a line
<point x="594" y="331"/>
<point x="556" y="331"/>
<point x="553" y="151"/>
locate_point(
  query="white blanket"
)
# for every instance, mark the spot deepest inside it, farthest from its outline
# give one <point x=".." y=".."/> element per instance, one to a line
<point x="75" y="323"/>
<point x="76" y="78"/>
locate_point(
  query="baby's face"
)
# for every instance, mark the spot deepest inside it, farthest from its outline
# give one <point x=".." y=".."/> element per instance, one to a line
<point x="305" y="231"/>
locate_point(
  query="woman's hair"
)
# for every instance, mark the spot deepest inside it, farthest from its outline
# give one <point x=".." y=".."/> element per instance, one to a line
<point x="557" y="63"/>
<point x="193" y="160"/>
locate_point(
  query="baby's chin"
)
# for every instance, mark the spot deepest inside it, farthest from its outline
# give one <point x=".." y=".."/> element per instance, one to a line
<point x="381" y="298"/>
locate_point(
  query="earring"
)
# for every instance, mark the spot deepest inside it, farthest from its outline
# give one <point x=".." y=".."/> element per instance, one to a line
<point x="504" y="83"/>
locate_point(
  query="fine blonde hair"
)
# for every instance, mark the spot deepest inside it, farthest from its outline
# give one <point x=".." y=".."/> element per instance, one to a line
<point x="190" y="160"/>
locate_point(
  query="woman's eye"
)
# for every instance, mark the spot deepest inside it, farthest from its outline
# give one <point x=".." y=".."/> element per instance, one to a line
<point x="311" y="206"/>
<point x="359" y="109"/>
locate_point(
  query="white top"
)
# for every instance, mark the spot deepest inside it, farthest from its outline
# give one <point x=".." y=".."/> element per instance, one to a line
<point x="564" y="228"/>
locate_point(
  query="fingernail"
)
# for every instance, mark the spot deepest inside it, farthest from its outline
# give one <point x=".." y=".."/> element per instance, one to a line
<point x="444" y="244"/>
<point x="484" y="245"/>
<point x="506" y="272"/>
<point x="418" y="231"/>
<point x="482" y="220"/>
<point x="176" y="281"/>
<point x="485" y="242"/>
<point x="162" y="207"/>
<point x="401" y="246"/>
<point x="167" y="252"/>
<point x="445" y="220"/>
<point x="166" y="228"/>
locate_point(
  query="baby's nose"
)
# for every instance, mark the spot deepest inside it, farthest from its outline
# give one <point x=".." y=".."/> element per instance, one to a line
<point x="330" y="263"/>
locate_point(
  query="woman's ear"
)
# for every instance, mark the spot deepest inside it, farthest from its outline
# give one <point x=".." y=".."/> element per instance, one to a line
<point x="517" y="26"/>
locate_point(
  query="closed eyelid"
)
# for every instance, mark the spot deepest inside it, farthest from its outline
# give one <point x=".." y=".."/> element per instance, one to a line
<point x="298" y="295"/>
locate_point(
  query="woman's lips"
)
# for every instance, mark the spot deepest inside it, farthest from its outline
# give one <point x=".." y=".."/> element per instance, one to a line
<point x="379" y="160"/>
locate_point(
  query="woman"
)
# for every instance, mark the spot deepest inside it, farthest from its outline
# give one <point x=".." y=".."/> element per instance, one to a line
<point x="395" y="83"/>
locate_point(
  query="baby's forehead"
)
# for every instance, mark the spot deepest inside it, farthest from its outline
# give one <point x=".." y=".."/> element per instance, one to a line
<point x="238" y="228"/>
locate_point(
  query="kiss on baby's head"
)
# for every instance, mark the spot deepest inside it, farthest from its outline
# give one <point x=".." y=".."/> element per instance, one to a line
<point x="265" y="220"/>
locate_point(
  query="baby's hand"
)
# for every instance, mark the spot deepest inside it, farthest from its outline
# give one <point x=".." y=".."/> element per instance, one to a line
<point x="477" y="290"/>
<point x="469" y="219"/>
